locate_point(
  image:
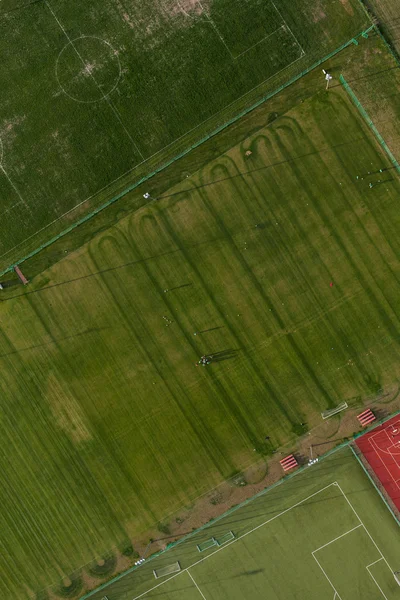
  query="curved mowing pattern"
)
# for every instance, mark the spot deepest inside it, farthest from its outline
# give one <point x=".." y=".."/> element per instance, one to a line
<point x="99" y="368"/>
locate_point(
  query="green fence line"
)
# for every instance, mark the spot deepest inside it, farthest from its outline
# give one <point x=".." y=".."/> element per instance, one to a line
<point x="369" y="122"/>
<point x="371" y="15"/>
<point x="375" y="486"/>
<point x="133" y="186"/>
<point x="251" y="499"/>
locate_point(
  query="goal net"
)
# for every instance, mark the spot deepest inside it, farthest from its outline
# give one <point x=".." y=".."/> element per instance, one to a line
<point x="333" y="411"/>
<point x="163" y="571"/>
<point x="397" y="576"/>
<point x="227" y="537"/>
<point x="207" y="544"/>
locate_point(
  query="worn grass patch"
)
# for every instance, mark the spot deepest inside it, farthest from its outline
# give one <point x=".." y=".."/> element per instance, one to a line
<point x="107" y="423"/>
<point x="101" y="93"/>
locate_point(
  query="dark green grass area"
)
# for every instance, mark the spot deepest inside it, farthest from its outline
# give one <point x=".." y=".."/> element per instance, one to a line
<point x="100" y="93"/>
<point x="107" y="425"/>
<point x="309" y="537"/>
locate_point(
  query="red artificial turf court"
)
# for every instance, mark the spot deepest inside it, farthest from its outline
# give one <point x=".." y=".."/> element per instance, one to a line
<point x="381" y="448"/>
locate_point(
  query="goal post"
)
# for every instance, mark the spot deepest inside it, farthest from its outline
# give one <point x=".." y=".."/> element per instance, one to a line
<point x="168" y="570"/>
<point x="224" y="539"/>
<point x="206" y="545"/>
<point x="333" y="411"/>
<point x="397" y="576"/>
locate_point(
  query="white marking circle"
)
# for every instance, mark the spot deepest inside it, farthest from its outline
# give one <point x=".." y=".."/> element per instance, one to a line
<point x="76" y="48"/>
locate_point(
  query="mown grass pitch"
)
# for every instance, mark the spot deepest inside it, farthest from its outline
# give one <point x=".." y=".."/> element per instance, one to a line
<point x="98" y="89"/>
<point x="107" y="423"/>
<point x="325" y="533"/>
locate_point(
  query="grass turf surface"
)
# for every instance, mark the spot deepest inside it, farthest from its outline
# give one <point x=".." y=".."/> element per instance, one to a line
<point x="109" y="424"/>
<point x="102" y="89"/>
<point x="325" y="533"/>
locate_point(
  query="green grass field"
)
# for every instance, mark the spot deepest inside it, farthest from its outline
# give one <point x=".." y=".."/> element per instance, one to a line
<point x="387" y="12"/>
<point x="107" y="424"/>
<point x="98" y="94"/>
<point x="323" y="534"/>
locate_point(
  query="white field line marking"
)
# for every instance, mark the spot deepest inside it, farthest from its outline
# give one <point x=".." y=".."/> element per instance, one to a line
<point x="376" y="583"/>
<point x="366" y="530"/>
<point x="337" y="538"/>
<point x="145" y="160"/>
<point x="374" y="563"/>
<point x="10" y="181"/>
<point x="93" y="78"/>
<point x="302" y="52"/>
<point x="201" y="593"/>
<point x="152" y="155"/>
<point x="260" y="42"/>
<point x="216" y="30"/>
<point x="377" y="451"/>
<point x="330" y="582"/>
<point x="11" y="208"/>
<point x="237" y="539"/>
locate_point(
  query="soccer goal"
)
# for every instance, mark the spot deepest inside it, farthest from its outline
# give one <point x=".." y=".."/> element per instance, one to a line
<point x="227" y="537"/>
<point x="397" y="576"/>
<point x="168" y="570"/>
<point x="207" y="544"/>
<point x="333" y="411"/>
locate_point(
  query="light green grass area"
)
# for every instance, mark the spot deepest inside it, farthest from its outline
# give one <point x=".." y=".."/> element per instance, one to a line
<point x="325" y="533"/>
<point x="101" y="92"/>
<point x="108" y="424"/>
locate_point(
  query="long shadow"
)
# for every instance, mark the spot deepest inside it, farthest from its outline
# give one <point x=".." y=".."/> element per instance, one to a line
<point x="215" y="357"/>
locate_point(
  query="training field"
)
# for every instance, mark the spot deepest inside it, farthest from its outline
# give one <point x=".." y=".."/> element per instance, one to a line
<point x="323" y="534"/>
<point x="96" y="93"/>
<point x="108" y="424"/>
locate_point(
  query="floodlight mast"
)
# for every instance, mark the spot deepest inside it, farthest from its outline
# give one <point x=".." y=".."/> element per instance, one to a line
<point x="328" y="78"/>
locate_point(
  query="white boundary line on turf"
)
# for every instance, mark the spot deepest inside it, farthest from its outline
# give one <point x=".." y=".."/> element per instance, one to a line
<point x="376" y="583"/>
<point x="152" y="156"/>
<point x="366" y="530"/>
<point x="217" y="31"/>
<point x="337" y="538"/>
<point x="283" y="26"/>
<point x="286" y="25"/>
<point x="336" y="593"/>
<point x="10" y="181"/>
<point x="199" y="590"/>
<point x="93" y="78"/>
<point x="236" y="540"/>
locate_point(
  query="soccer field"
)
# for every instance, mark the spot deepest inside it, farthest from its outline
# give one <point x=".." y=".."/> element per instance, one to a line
<point x="323" y="534"/>
<point x="96" y="94"/>
<point x="279" y="265"/>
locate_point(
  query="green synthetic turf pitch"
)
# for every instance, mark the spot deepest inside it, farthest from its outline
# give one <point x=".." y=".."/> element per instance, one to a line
<point x="325" y="533"/>
<point x="106" y="422"/>
<point x="93" y="89"/>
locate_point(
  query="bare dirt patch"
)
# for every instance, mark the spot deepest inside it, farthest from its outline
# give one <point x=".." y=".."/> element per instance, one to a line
<point x="66" y="411"/>
<point x="189" y="8"/>
<point x="324" y="436"/>
<point x="347" y="6"/>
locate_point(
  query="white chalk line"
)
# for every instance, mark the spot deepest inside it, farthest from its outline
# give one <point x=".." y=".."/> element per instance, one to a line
<point x="16" y="190"/>
<point x="151" y="156"/>
<point x="116" y="113"/>
<point x="376" y="583"/>
<point x="337" y="538"/>
<point x="287" y="26"/>
<point x="199" y="590"/>
<point x="336" y="593"/>
<point x="93" y="37"/>
<point x="361" y="524"/>
<point x="366" y="530"/>
<point x="236" y="540"/>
